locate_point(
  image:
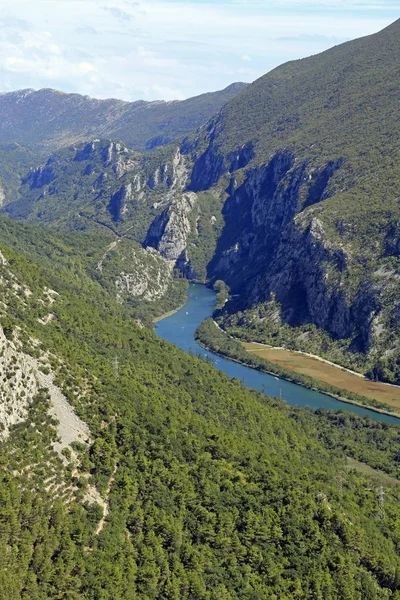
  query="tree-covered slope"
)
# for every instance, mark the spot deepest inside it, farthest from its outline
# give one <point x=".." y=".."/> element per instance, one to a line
<point x="15" y="162"/>
<point x="99" y="185"/>
<point x="212" y="491"/>
<point x="47" y="120"/>
<point x="124" y="271"/>
<point x="306" y="158"/>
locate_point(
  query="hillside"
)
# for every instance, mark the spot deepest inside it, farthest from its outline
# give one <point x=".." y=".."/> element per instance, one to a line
<point x="47" y="120"/>
<point x="104" y="186"/>
<point x="15" y="162"/>
<point x="306" y="159"/>
<point x="175" y="481"/>
<point x="311" y="222"/>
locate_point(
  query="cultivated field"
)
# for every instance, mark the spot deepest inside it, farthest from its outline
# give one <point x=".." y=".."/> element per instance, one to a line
<point x="301" y="363"/>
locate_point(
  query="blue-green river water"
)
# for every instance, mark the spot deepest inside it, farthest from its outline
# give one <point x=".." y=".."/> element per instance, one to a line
<point x="179" y="329"/>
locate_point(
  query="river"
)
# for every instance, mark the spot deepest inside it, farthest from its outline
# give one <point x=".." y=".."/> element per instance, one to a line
<point x="179" y="329"/>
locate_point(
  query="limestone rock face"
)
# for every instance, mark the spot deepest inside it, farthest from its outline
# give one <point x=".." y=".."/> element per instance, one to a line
<point x="275" y="242"/>
<point x="118" y="205"/>
<point x="17" y="387"/>
<point x="40" y="177"/>
<point x="169" y="232"/>
<point x="149" y="276"/>
<point x="173" y="174"/>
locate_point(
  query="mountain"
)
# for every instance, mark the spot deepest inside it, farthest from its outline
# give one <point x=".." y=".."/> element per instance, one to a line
<point x="289" y="195"/>
<point x="307" y="155"/>
<point x="47" y="120"/>
<point x="130" y="469"/>
<point x="305" y="162"/>
<point x="104" y="186"/>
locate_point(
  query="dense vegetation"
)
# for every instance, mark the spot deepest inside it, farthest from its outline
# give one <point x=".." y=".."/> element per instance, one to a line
<point x="15" y="162"/>
<point x="76" y="258"/>
<point x="215" y="491"/>
<point x="84" y="187"/>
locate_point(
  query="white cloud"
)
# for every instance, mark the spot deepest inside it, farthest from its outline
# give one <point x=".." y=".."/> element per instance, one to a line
<point x="119" y="14"/>
<point x="145" y="53"/>
<point x="86" y="67"/>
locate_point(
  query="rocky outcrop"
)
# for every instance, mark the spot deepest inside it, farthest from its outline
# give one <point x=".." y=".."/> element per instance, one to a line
<point x="148" y="278"/>
<point x="173" y="174"/>
<point x="275" y="243"/>
<point x="86" y="153"/>
<point x="40" y="177"/>
<point x="307" y="276"/>
<point x="240" y="159"/>
<point x="207" y="170"/>
<point x="255" y="215"/>
<point x="319" y="179"/>
<point x="169" y="232"/>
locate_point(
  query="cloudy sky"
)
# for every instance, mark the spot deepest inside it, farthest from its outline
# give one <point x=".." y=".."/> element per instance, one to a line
<point x="169" y="49"/>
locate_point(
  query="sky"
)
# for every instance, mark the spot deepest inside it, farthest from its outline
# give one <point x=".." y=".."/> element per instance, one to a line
<point x="169" y="49"/>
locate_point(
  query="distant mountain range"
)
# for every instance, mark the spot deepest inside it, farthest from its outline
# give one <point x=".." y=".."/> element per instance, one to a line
<point x="47" y="120"/>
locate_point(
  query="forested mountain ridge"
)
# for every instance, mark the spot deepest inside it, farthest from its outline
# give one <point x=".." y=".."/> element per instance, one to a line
<point x="47" y="120"/>
<point x="124" y="270"/>
<point x="212" y="491"/>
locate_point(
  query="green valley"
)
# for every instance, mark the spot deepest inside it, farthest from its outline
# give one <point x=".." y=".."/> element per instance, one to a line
<point x="288" y="195"/>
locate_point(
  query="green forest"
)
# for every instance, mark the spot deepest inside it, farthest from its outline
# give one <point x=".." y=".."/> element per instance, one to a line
<point x="214" y="491"/>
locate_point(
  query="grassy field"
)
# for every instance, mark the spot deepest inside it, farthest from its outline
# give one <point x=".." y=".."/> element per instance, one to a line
<point x="300" y="363"/>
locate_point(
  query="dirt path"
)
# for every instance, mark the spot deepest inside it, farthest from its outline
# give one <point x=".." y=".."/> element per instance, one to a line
<point x="104" y="503"/>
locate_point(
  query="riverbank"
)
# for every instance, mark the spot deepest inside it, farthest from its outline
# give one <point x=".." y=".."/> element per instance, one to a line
<point x="248" y="346"/>
<point x="213" y="338"/>
<point x="168" y="314"/>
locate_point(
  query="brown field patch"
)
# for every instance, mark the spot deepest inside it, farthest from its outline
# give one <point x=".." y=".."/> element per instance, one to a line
<point x="306" y="365"/>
